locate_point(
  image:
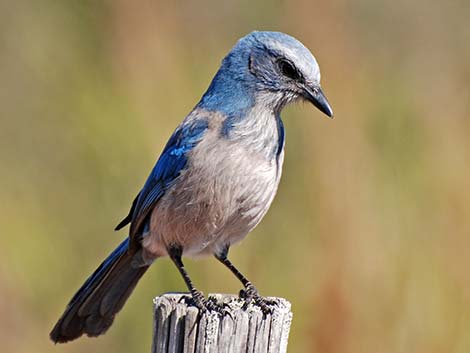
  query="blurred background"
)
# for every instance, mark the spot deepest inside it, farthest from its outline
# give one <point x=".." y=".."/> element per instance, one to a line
<point x="369" y="235"/>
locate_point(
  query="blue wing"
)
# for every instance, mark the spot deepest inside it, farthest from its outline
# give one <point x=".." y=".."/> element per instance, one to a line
<point x="171" y="162"/>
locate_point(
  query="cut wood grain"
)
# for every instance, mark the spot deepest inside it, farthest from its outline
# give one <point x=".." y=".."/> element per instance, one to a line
<point x="179" y="327"/>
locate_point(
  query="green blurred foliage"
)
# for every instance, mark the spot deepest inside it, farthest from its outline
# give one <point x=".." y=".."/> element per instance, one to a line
<point x="369" y="234"/>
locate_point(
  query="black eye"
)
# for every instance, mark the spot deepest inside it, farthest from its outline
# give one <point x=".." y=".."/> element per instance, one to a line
<point x="288" y="70"/>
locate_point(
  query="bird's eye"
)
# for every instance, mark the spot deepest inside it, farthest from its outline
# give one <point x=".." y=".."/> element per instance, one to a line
<point x="288" y="70"/>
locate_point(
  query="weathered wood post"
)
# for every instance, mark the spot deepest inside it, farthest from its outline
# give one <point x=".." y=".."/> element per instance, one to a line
<point x="180" y="328"/>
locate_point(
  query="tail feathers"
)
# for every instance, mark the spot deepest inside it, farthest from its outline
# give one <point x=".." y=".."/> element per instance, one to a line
<point x="93" y="308"/>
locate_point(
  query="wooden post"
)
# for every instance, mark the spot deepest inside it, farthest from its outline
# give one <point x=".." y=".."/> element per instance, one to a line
<point x="180" y="328"/>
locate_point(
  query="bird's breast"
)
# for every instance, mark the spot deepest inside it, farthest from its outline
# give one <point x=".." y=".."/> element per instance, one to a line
<point x="223" y="193"/>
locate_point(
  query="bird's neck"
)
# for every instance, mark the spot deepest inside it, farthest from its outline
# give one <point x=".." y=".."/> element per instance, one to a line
<point x="228" y="94"/>
<point x="260" y="130"/>
<point x="251" y="117"/>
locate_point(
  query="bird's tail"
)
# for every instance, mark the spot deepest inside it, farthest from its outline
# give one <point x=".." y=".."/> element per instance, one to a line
<point x="93" y="307"/>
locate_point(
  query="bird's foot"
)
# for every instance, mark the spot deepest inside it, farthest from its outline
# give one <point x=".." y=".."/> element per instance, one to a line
<point x="223" y="309"/>
<point x="202" y="303"/>
<point x="251" y="295"/>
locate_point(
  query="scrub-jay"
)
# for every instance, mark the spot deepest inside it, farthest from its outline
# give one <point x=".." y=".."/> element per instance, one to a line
<point x="213" y="182"/>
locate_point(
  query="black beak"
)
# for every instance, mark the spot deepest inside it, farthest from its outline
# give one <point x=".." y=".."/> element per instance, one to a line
<point x="316" y="96"/>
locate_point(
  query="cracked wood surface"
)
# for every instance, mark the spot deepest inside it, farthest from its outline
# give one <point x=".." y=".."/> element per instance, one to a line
<point x="238" y="328"/>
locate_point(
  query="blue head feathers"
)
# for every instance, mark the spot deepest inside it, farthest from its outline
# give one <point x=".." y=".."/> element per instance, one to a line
<point x="273" y="64"/>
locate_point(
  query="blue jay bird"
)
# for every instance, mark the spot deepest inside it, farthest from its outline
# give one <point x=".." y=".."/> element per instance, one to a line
<point x="213" y="182"/>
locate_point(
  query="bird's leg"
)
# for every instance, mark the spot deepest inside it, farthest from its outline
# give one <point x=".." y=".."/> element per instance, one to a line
<point x="250" y="293"/>
<point x="175" y="252"/>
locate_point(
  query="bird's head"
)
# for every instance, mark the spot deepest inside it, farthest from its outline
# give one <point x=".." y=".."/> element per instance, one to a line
<point x="282" y="64"/>
<point x="271" y="65"/>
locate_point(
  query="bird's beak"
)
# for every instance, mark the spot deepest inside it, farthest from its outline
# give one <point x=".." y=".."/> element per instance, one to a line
<point x="316" y="96"/>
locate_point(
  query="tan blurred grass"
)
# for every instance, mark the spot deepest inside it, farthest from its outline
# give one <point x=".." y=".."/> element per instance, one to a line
<point x="369" y="234"/>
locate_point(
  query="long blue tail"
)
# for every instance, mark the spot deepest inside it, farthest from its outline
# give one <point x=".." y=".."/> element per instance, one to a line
<point x="93" y="307"/>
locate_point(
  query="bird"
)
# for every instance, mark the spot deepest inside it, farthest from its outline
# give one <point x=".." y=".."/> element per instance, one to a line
<point x="213" y="182"/>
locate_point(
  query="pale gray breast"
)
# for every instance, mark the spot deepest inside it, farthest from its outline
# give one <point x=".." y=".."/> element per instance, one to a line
<point x="223" y="193"/>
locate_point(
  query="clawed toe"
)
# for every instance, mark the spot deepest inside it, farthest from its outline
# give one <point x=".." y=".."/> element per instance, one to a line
<point x="251" y="295"/>
<point x="212" y="305"/>
<point x="205" y="305"/>
<point x="264" y="305"/>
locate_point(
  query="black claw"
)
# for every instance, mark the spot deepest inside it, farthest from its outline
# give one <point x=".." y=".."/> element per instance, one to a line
<point x="263" y="304"/>
<point x="251" y="295"/>
<point x="205" y="305"/>
<point x="211" y="305"/>
<point x="224" y="309"/>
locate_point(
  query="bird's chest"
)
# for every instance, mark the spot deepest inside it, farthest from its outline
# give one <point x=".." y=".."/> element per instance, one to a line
<point x="231" y="185"/>
<point x="222" y="194"/>
<point x="235" y="173"/>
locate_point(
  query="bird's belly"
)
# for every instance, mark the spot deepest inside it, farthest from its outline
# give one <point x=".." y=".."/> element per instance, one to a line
<point x="216" y="201"/>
